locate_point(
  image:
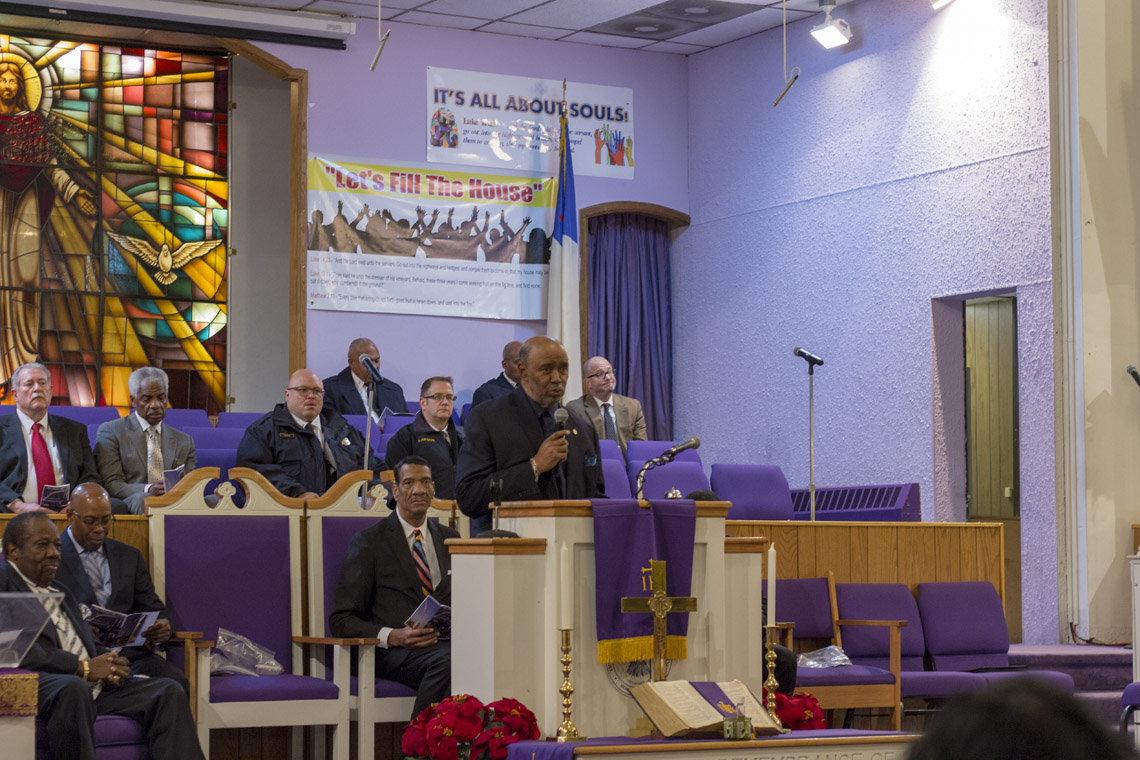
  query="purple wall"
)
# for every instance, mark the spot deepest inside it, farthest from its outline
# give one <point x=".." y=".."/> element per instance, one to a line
<point x="378" y="115"/>
<point x="913" y="164"/>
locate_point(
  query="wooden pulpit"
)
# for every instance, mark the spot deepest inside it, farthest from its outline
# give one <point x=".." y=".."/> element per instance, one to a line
<point x="505" y="616"/>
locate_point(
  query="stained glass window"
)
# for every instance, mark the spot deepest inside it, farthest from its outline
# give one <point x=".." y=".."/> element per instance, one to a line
<point x="113" y="218"/>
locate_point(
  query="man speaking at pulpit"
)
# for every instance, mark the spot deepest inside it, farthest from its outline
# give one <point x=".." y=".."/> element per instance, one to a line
<point x="528" y="442"/>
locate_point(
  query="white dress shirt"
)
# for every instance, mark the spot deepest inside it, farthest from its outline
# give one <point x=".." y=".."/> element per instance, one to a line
<point x="362" y="389"/>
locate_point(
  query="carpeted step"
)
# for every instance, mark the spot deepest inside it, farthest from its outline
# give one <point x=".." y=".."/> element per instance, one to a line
<point x="1093" y="668"/>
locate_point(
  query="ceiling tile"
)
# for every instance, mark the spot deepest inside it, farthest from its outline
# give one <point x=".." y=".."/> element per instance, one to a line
<point x="745" y="26"/>
<point x="608" y="40"/>
<point x="673" y="47"/>
<point x="491" y="9"/>
<point x="439" y="19"/>
<point x="525" y="30"/>
<point x="577" y="14"/>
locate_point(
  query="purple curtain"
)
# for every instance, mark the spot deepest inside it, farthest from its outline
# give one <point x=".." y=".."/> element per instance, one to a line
<point x="629" y="311"/>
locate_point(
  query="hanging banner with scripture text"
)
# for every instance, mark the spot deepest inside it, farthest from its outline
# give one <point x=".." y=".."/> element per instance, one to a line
<point x="410" y="240"/>
<point x="502" y="121"/>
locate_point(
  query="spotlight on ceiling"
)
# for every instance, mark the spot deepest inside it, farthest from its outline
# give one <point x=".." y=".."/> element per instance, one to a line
<point x="936" y="4"/>
<point x="833" y="32"/>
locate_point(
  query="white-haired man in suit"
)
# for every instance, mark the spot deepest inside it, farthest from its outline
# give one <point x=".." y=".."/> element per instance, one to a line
<point x="133" y="451"/>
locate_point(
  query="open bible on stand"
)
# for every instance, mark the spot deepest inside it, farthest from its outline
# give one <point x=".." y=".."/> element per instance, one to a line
<point x="683" y="708"/>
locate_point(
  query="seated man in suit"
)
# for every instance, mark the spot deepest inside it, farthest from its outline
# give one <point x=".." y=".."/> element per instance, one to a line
<point x="38" y="449"/>
<point x="390" y="568"/>
<point x="347" y="391"/>
<point x="432" y="435"/>
<point x="301" y="447"/>
<point x="514" y="440"/>
<point x="78" y="679"/>
<point x="103" y="571"/>
<point x="507" y="379"/>
<point x="133" y="451"/>
<point x="614" y="416"/>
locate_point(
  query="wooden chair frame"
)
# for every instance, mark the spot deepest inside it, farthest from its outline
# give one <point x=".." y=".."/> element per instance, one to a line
<point x="262" y="499"/>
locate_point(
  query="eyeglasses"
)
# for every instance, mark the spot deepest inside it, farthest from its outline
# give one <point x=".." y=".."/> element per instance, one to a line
<point x="318" y="392"/>
<point x="611" y="372"/>
<point x="91" y="522"/>
<point x="443" y="397"/>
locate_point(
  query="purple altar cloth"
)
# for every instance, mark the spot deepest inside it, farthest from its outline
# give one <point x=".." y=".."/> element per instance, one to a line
<point x="552" y="750"/>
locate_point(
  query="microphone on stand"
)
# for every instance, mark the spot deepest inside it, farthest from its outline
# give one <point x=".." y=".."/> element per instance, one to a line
<point x="670" y="454"/>
<point x="370" y="365"/>
<point x="809" y="356"/>
<point x="1132" y="371"/>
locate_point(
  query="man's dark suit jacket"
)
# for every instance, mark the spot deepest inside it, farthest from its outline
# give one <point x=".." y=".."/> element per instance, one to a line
<point x="46" y="655"/>
<point x="502" y="436"/>
<point x="286" y="456"/>
<point x="341" y="395"/>
<point x="378" y="585"/>
<point x="76" y="461"/>
<point x="131" y="586"/>
<point x="493" y="388"/>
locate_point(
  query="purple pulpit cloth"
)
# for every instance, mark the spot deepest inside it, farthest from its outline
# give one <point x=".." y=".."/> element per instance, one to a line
<point x="553" y="750"/>
<point x="716" y="697"/>
<point x="626" y="537"/>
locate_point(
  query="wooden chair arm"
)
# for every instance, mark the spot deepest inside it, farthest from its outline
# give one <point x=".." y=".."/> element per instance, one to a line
<point x="333" y="641"/>
<point x="786" y="633"/>
<point x="189" y="481"/>
<point x="882" y="623"/>
<point x="250" y="474"/>
<point x="184" y="638"/>
<point x="338" y="489"/>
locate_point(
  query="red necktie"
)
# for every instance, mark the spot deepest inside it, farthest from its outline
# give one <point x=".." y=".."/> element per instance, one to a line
<point x="41" y="459"/>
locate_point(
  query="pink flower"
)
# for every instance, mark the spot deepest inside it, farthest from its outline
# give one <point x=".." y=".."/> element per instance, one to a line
<point x="517" y="719"/>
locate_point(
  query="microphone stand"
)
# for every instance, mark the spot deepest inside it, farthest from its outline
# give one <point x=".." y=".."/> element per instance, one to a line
<point x="811" y="438"/>
<point x="665" y="458"/>
<point x="368" y="426"/>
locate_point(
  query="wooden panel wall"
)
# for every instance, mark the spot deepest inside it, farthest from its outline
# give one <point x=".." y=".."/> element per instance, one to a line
<point x="991" y="364"/>
<point x="909" y="553"/>
<point x="130" y="529"/>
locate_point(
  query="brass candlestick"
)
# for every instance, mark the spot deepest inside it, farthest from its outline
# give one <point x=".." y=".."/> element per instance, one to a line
<point x="567" y="731"/>
<point x="771" y="633"/>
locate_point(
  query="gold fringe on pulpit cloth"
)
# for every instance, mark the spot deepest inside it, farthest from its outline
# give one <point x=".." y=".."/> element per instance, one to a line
<point x="639" y="648"/>
<point x="19" y="692"/>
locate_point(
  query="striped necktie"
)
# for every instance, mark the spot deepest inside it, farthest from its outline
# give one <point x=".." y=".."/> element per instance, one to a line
<point x="420" y="557"/>
<point x="93" y="563"/>
<point x="611" y="427"/>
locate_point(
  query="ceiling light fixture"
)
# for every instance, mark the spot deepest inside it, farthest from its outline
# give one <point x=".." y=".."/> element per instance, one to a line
<point x="832" y="32"/>
<point x="936" y="4"/>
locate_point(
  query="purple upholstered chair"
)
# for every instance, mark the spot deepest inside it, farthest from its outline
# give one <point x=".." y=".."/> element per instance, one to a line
<point x="617" y="482"/>
<point x="242" y="570"/>
<point x="93" y="432"/>
<point x="965" y="629"/>
<point x="210" y="437"/>
<point x="1129" y="703"/>
<point x="610" y="450"/>
<point x="685" y="476"/>
<point x="184" y="418"/>
<point x="867" y="645"/>
<point x="87" y="414"/>
<point x="643" y="450"/>
<point x="116" y="738"/>
<point x="809" y="603"/>
<point x="757" y="491"/>
<point x="238" y="419"/>
<point x="330" y="529"/>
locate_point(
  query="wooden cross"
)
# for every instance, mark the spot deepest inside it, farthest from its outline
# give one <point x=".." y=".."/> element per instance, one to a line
<point x="660" y="604"/>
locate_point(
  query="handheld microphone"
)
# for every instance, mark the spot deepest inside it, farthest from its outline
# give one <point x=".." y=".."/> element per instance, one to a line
<point x="370" y="365"/>
<point x="560" y="417"/>
<point x="1135" y="375"/>
<point x="809" y="356"/>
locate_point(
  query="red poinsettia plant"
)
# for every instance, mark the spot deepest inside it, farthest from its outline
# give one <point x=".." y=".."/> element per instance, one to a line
<point x="462" y="727"/>
<point x="799" y="712"/>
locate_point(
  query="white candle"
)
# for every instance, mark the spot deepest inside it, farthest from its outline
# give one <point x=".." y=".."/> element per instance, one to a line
<point x="772" y="584"/>
<point x="566" y="621"/>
